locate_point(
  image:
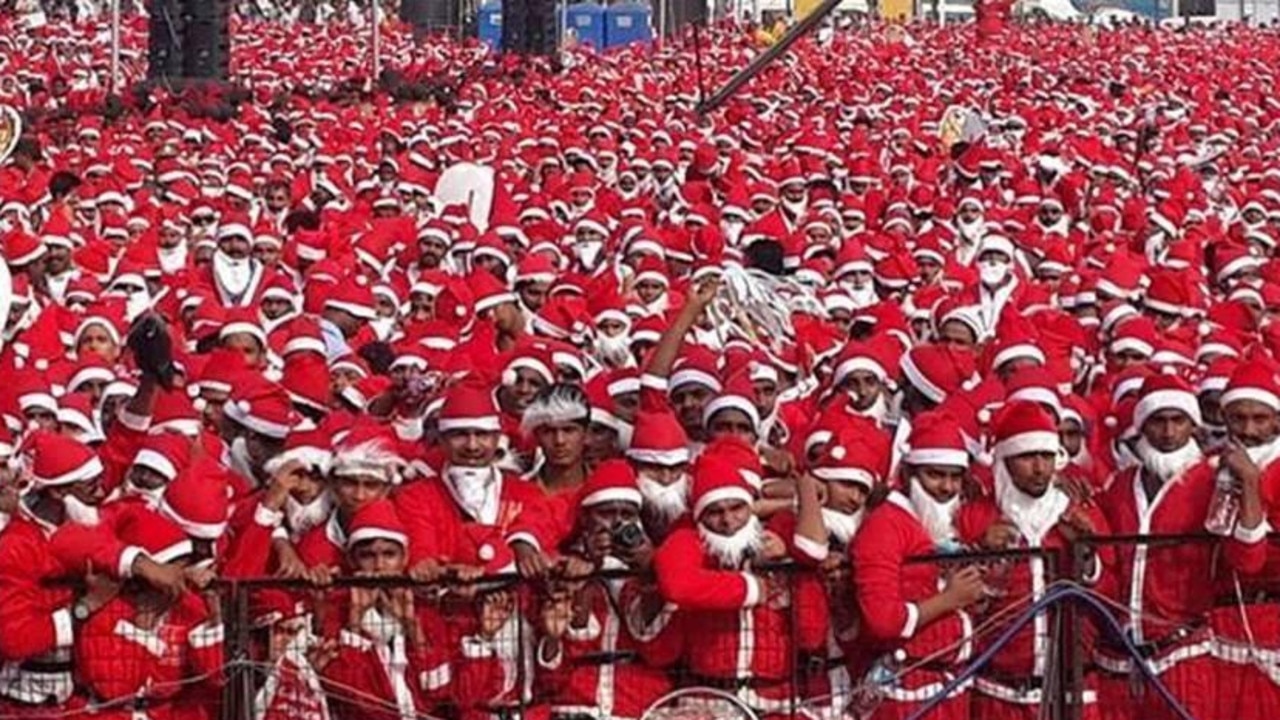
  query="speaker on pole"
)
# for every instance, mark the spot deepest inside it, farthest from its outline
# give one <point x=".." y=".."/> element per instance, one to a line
<point x="164" y="46"/>
<point x="206" y="49"/>
<point x="515" y="26"/>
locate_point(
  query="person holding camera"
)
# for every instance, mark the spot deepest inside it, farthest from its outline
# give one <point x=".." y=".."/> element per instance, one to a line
<point x="602" y="648"/>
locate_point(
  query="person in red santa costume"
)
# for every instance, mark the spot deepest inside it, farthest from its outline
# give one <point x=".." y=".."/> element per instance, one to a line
<point x="735" y="621"/>
<point x="235" y="275"/>
<point x="43" y="547"/>
<point x="458" y="525"/>
<point x="388" y="662"/>
<point x="141" y="651"/>
<point x="1032" y="508"/>
<point x="1246" y="625"/>
<point x="600" y="648"/>
<point x="832" y="499"/>
<point x="1167" y="587"/>
<point x="905" y="616"/>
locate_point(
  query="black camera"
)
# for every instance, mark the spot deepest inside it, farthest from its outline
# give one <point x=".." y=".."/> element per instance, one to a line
<point x="628" y="536"/>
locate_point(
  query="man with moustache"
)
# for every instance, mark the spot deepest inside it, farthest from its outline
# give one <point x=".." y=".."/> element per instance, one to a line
<point x="905" y="617"/>
<point x="1244" y="623"/>
<point x="1031" y="509"/>
<point x="1167" y="587"/>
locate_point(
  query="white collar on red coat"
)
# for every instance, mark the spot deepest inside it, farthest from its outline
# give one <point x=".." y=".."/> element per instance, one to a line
<point x="902" y="501"/>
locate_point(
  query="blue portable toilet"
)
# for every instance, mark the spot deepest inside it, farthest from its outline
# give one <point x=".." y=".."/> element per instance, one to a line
<point x="628" y="22"/>
<point x="586" y="22"/>
<point x="490" y="23"/>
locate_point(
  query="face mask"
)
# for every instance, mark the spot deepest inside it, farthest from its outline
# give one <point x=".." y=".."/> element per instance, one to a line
<point x="78" y="511"/>
<point x="233" y="274"/>
<point x="993" y="274"/>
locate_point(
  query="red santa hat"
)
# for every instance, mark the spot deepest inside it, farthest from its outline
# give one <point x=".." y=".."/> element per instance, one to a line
<point x="353" y="295"/>
<point x="850" y="459"/>
<point x="1024" y="427"/>
<point x="697" y="366"/>
<point x="739" y="394"/>
<point x="611" y="481"/>
<point x="659" y="439"/>
<point x="60" y="460"/>
<point x="716" y="479"/>
<point x="469" y="405"/>
<point x="199" y="500"/>
<point x="162" y="539"/>
<point x="261" y="406"/>
<point x="936" y="439"/>
<point x="939" y="370"/>
<point x="1165" y="391"/>
<point x="164" y="453"/>
<point x="377" y="521"/>
<point x="1253" y="380"/>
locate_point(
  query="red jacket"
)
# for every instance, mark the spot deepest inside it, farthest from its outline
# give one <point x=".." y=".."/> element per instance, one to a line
<point x="890" y="589"/>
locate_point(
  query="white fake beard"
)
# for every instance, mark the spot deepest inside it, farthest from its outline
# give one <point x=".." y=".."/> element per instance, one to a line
<point x="1033" y="516"/>
<point x="471" y="486"/>
<point x="382" y="628"/>
<point x="1264" y="455"/>
<point x="232" y="275"/>
<point x="383" y="327"/>
<point x="972" y="232"/>
<point x="731" y="550"/>
<point x="842" y="525"/>
<point x="151" y="496"/>
<point x="238" y="459"/>
<point x="993" y="273"/>
<point x="862" y="297"/>
<point x="172" y="259"/>
<point x="795" y="208"/>
<point x="667" y="501"/>
<point x="732" y="230"/>
<point x="135" y="304"/>
<point x="614" y="350"/>
<point x="879" y="410"/>
<point x="935" y="516"/>
<point x="1061" y="227"/>
<point x="1170" y="465"/>
<point x="79" y="512"/>
<point x="302" y="518"/>
<point x="588" y="254"/>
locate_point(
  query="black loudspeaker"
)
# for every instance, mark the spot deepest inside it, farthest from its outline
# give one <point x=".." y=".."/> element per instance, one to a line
<point x="428" y="16"/>
<point x="206" y="48"/>
<point x="682" y="13"/>
<point x="515" y="26"/>
<point x="164" y="46"/>
<point x="544" y="27"/>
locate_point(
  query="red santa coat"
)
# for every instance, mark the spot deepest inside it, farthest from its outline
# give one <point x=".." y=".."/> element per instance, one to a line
<point x="36" y="632"/>
<point x="1028" y="654"/>
<point x="402" y="680"/>
<point x="889" y="590"/>
<point x="485" y="670"/>
<point x="612" y="666"/>
<point x="738" y="632"/>
<point x="1169" y="590"/>
<point x="117" y="659"/>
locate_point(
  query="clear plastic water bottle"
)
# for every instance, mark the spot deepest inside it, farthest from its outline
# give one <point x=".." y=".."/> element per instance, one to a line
<point x="867" y="695"/>
<point x="1224" y="506"/>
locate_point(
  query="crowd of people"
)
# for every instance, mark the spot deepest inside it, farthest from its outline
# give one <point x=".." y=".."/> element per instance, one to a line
<point x="911" y="292"/>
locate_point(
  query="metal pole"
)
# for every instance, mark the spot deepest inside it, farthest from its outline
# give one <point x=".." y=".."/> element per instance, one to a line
<point x="662" y="20"/>
<point x="114" y="84"/>
<point x="377" y="45"/>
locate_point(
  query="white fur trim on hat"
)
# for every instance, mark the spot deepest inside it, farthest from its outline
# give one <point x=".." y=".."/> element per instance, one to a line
<point x="153" y="460"/>
<point x="732" y="402"/>
<point x="90" y="469"/>
<point x="1250" y="393"/>
<point x="553" y="411"/>
<point x="1021" y="350"/>
<point x="1134" y="344"/>
<point x="1039" y="441"/>
<point x="846" y="474"/>
<point x="687" y="376"/>
<point x="852" y="365"/>
<point x="375" y="533"/>
<point x="613" y="494"/>
<point x="484" y="423"/>
<point x="666" y="458"/>
<point x="1154" y="402"/>
<point x="920" y="382"/>
<point x="204" y="531"/>
<point x="363" y="312"/>
<point x="240" y="411"/>
<point x="947" y="457"/>
<point x="720" y="494"/>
